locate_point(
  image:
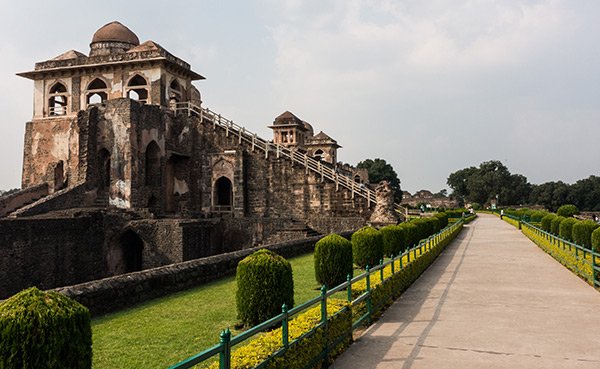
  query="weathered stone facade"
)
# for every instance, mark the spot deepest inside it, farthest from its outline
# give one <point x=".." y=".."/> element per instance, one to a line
<point x="140" y="184"/>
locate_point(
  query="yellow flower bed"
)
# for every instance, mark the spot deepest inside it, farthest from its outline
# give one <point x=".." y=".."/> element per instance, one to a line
<point x="579" y="264"/>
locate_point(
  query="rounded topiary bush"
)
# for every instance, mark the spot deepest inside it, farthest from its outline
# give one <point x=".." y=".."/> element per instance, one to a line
<point x="333" y="260"/>
<point x="264" y="284"/>
<point x="367" y="247"/>
<point x="596" y="240"/>
<point x="555" y="225"/>
<point x="565" y="230"/>
<point x="582" y="232"/>
<point x="40" y="330"/>
<point x="547" y="222"/>
<point x="394" y="240"/>
<point x="567" y="210"/>
<point x="536" y="216"/>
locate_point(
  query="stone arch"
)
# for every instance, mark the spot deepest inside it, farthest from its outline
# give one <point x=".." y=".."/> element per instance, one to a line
<point x="319" y="154"/>
<point x="132" y="247"/>
<point x="153" y="175"/>
<point x="104" y="168"/>
<point x="357" y="178"/>
<point x="96" y="92"/>
<point x="137" y="88"/>
<point x="223" y="194"/>
<point x="57" y="99"/>
<point x="175" y="91"/>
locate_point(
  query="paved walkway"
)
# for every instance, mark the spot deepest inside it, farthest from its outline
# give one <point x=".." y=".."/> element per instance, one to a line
<point x="493" y="299"/>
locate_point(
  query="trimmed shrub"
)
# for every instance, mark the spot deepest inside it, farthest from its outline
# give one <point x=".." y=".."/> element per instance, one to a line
<point x="443" y="217"/>
<point x="424" y="228"/>
<point x="582" y="232"/>
<point x="411" y="234"/>
<point x="40" y="330"/>
<point x="394" y="240"/>
<point x="565" y="230"/>
<point x="555" y="225"/>
<point x="596" y="240"/>
<point x="367" y="247"/>
<point x="547" y="222"/>
<point x="333" y="260"/>
<point x="567" y="210"/>
<point x="264" y="284"/>
<point x="536" y="216"/>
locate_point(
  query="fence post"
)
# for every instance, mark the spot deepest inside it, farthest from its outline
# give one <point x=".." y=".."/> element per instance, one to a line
<point x="401" y="257"/>
<point x="225" y="355"/>
<point x="392" y="256"/>
<point x="284" y="326"/>
<point x="324" y="322"/>
<point x="369" y="302"/>
<point x="349" y="280"/>
<point x="593" y="268"/>
<point x="381" y="270"/>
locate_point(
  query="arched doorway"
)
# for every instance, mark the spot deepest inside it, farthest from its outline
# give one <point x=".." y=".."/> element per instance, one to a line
<point x="318" y="155"/>
<point x="153" y="173"/>
<point x="103" y="169"/>
<point x="357" y="178"/>
<point x="223" y="194"/>
<point x="131" y="247"/>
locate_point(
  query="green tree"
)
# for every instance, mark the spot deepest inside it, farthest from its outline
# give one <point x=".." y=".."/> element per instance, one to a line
<point x="379" y="170"/>
<point x="490" y="179"/>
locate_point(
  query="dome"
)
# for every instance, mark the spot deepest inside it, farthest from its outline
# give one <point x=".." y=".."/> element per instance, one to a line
<point x="115" y="32"/>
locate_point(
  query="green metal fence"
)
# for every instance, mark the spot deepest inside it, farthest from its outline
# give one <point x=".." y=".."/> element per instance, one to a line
<point x="223" y="350"/>
<point x="585" y="262"/>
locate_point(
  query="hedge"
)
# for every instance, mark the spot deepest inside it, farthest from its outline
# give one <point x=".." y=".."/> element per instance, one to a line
<point x="567" y="211"/>
<point x="333" y="260"/>
<point x="367" y="247"/>
<point x="300" y="353"/>
<point x="565" y="230"/>
<point x="394" y="240"/>
<point x="264" y="284"/>
<point x="536" y="216"/>
<point x="555" y="225"/>
<point x="44" y="330"/>
<point x="411" y="234"/>
<point x="547" y="222"/>
<point x="582" y="232"/>
<point x="596" y="240"/>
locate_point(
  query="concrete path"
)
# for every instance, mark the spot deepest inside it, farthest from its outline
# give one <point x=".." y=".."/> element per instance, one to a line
<point x="493" y="299"/>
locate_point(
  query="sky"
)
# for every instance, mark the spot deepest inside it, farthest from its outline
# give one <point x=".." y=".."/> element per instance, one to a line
<point x="430" y="86"/>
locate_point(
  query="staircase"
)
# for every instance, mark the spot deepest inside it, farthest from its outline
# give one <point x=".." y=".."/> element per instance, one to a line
<point x="269" y="148"/>
<point x="101" y="200"/>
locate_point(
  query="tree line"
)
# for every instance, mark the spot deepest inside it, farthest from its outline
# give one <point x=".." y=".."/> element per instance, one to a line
<point x="492" y="180"/>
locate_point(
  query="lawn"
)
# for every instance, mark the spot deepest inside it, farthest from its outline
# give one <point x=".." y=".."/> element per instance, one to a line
<point x="165" y="331"/>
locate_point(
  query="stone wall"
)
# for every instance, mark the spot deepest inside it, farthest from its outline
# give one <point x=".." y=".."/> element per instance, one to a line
<point x="115" y="293"/>
<point x="50" y="252"/>
<point x="12" y="202"/>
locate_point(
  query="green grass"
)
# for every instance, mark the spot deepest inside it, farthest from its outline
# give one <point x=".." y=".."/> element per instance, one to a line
<point x="165" y="331"/>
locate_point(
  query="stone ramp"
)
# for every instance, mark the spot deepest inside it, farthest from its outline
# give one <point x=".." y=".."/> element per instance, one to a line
<point x="493" y="299"/>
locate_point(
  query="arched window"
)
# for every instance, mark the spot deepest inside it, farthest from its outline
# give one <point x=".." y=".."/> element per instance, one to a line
<point x="223" y="194"/>
<point x="357" y="178"/>
<point x="318" y="155"/>
<point x="132" y="247"/>
<point x="153" y="173"/>
<point x="137" y="89"/>
<point x="97" y="92"/>
<point x="57" y="100"/>
<point x="175" y="91"/>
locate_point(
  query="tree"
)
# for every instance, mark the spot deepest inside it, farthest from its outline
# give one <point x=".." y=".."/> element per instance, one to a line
<point x="491" y="179"/>
<point x="379" y="170"/>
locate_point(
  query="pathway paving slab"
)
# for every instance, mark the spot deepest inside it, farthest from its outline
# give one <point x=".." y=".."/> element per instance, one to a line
<point x="492" y="299"/>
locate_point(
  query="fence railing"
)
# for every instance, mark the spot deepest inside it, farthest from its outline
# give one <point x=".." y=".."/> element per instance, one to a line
<point x="371" y="276"/>
<point x="585" y="262"/>
<point x="270" y="148"/>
